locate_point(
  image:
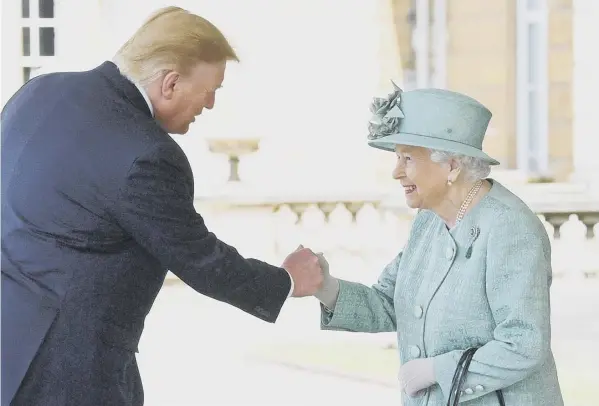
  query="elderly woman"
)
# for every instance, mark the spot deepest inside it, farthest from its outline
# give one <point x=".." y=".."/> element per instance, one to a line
<point x="475" y="272"/>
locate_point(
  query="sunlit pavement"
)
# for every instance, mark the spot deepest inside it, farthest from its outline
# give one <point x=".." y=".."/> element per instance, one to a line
<point x="228" y="384"/>
<point x="193" y="351"/>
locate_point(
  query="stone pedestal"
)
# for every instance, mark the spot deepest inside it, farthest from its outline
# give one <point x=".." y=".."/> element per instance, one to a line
<point x="234" y="149"/>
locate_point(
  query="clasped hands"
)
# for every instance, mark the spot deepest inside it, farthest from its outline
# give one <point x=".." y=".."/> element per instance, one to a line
<point x="309" y="271"/>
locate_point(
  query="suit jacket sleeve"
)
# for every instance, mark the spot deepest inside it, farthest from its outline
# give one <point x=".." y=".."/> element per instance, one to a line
<point x="155" y="206"/>
<point x="364" y="309"/>
<point x="518" y="282"/>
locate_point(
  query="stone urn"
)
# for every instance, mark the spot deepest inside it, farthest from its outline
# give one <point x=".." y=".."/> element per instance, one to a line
<point x="234" y="149"/>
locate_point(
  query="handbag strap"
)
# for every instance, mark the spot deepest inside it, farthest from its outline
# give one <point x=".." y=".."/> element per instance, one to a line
<point x="459" y="378"/>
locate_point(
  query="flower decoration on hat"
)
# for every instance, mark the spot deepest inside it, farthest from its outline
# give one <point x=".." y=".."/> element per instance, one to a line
<point x="386" y="115"/>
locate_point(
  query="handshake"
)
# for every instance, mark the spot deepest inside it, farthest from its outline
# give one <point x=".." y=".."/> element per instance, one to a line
<point x="310" y="274"/>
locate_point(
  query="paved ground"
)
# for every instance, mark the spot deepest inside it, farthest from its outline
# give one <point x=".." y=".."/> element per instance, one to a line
<point x="193" y="351"/>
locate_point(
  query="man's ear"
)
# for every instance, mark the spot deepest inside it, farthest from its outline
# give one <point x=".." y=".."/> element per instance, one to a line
<point x="169" y="81"/>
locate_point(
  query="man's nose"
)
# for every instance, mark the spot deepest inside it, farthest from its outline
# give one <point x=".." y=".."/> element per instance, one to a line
<point x="210" y="102"/>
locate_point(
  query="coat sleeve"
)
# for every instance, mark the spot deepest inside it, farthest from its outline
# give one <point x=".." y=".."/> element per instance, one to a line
<point x="518" y="282"/>
<point x="155" y="206"/>
<point x="364" y="309"/>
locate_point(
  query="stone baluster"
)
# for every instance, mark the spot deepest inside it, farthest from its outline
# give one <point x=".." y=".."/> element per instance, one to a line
<point x="354" y="208"/>
<point x="327" y="208"/>
<point x="299" y="209"/>
<point x="556" y="220"/>
<point x="589" y="220"/>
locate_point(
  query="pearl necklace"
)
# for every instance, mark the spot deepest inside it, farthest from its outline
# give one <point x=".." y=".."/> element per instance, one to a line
<point x="471" y="195"/>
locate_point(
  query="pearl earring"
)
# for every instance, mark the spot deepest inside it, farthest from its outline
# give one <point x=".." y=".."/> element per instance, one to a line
<point x="449" y="182"/>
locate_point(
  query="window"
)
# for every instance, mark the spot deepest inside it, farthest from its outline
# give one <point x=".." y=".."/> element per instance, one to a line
<point x="428" y="19"/>
<point x="26" y="74"/>
<point x="38" y="31"/>
<point x="532" y="86"/>
<point x="26" y="41"/>
<point x="46" y="8"/>
<point x="25" y="8"/>
<point x="46" y="41"/>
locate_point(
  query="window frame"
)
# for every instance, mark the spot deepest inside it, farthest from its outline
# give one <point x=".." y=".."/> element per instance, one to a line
<point x="526" y="16"/>
<point x="35" y="61"/>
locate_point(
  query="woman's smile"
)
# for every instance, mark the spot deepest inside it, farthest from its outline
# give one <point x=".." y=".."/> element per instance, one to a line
<point x="409" y="189"/>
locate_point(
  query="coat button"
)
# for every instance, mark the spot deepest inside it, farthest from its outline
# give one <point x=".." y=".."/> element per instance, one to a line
<point x="418" y="312"/>
<point x="468" y="391"/>
<point x="449" y="253"/>
<point x="415" y="351"/>
<point x="479" y="388"/>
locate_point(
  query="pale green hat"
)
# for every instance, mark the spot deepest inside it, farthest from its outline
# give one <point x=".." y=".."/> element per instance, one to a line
<point x="430" y="118"/>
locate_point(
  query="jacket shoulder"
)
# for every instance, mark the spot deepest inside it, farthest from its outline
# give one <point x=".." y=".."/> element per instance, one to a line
<point x="508" y="214"/>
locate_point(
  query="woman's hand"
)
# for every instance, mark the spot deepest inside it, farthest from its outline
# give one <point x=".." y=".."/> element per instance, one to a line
<point x="329" y="290"/>
<point x="417" y="375"/>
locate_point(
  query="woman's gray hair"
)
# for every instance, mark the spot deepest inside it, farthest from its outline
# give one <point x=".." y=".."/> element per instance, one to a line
<point x="472" y="168"/>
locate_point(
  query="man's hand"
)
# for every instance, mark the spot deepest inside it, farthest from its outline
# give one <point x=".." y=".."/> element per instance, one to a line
<point x="305" y="270"/>
<point x="417" y="375"/>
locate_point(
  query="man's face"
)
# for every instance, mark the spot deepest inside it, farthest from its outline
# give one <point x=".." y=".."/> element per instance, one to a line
<point x="178" y="99"/>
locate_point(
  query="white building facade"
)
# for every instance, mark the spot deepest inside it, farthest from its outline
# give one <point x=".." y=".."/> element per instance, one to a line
<point x="47" y="35"/>
<point x="586" y="89"/>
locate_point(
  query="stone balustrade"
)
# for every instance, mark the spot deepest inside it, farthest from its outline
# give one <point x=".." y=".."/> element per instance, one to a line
<point x="360" y="228"/>
<point x="361" y="233"/>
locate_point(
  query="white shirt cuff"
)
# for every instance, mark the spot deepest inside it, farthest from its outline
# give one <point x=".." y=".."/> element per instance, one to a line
<point x="292" y="285"/>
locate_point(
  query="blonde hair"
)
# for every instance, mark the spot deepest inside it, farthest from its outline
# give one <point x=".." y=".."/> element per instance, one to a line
<point x="171" y="39"/>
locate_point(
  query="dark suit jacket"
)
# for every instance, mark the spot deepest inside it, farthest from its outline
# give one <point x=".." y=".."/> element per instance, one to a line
<point x="97" y="205"/>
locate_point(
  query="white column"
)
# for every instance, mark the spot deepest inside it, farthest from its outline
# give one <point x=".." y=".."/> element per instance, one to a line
<point x="532" y="86"/>
<point x="11" y="75"/>
<point x="421" y="43"/>
<point x="586" y="91"/>
<point x="388" y="57"/>
<point x="440" y="43"/>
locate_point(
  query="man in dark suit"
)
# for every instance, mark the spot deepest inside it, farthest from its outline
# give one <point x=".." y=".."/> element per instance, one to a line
<point x="97" y="205"/>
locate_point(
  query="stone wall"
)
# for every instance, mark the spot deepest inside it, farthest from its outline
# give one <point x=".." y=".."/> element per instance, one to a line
<point x="481" y="62"/>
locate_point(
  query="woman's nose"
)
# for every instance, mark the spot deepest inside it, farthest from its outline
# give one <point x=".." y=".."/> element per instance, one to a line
<point x="397" y="172"/>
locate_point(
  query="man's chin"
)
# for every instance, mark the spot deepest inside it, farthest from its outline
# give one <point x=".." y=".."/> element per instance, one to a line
<point x="179" y="131"/>
<point x="182" y="132"/>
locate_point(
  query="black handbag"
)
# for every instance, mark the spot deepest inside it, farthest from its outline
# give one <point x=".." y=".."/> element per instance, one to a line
<point x="459" y="377"/>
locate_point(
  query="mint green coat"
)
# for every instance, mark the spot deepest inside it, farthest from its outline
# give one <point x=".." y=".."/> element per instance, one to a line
<point x="484" y="283"/>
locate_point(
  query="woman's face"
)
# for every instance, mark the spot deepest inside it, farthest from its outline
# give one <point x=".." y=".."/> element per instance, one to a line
<point x="424" y="181"/>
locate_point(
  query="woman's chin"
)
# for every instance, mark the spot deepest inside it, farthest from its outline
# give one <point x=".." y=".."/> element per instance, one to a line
<point x="412" y="202"/>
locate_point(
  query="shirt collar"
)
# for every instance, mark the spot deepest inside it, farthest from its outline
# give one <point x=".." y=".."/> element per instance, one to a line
<point x="146" y="98"/>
